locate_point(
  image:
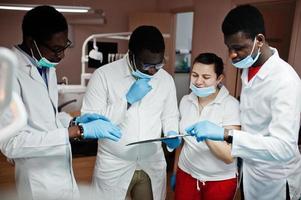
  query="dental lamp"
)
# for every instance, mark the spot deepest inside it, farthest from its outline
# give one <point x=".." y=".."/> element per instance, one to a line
<point x="94" y="53"/>
<point x="95" y="57"/>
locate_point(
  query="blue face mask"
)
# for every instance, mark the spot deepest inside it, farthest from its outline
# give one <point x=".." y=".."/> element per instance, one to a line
<point x="141" y="75"/>
<point x="44" y="62"/>
<point x="247" y="61"/>
<point x="202" y="92"/>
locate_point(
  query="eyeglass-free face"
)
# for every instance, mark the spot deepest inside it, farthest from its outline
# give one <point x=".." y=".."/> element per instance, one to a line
<point x="240" y="45"/>
<point x="203" y="75"/>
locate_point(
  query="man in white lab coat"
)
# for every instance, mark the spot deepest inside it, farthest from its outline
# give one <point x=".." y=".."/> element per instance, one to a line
<point x="138" y="95"/>
<point x="41" y="150"/>
<point x="270" y="111"/>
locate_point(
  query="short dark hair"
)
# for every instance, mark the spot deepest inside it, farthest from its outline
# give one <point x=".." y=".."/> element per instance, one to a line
<point x="42" y="22"/>
<point x="146" y="37"/>
<point x="211" y="58"/>
<point x="246" y="19"/>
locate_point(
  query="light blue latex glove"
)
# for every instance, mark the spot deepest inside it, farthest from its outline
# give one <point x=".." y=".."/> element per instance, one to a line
<point x="173" y="182"/>
<point x="88" y="117"/>
<point x="206" y="130"/>
<point x="101" y="129"/>
<point x="174" y="142"/>
<point x="138" y="90"/>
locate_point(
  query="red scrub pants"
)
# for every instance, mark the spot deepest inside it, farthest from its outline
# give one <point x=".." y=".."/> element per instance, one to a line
<point x="189" y="188"/>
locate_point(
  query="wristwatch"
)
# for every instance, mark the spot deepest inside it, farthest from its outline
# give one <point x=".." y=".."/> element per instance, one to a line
<point x="73" y="122"/>
<point x="229" y="138"/>
<point x="81" y="130"/>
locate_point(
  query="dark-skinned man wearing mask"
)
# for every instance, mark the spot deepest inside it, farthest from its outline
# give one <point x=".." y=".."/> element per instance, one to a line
<point x="270" y="111"/>
<point x="136" y="93"/>
<point x="41" y="150"/>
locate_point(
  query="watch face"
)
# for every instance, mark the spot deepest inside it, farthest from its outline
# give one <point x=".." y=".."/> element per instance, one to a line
<point x="229" y="139"/>
<point x="81" y="129"/>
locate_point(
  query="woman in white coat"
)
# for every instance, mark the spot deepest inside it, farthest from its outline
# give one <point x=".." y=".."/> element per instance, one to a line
<point x="41" y="150"/>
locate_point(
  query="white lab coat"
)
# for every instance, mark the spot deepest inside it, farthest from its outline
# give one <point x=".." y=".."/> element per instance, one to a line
<point x="116" y="162"/>
<point x="270" y="120"/>
<point x="41" y="151"/>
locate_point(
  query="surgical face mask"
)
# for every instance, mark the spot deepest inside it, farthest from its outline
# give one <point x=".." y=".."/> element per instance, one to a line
<point x="141" y="75"/>
<point x="43" y="62"/>
<point x="202" y="92"/>
<point x="248" y="61"/>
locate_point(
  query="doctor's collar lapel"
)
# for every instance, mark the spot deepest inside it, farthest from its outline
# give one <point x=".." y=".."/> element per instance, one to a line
<point x="52" y="88"/>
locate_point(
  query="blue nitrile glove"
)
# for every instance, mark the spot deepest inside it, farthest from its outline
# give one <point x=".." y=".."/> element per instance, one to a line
<point x="174" y="142"/>
<point x="206" y="130"/>
<point x="101" y="129"/>
<point x="173" y="182"/>
<point x="138" y="90"/>
<point x="88" y="117"/>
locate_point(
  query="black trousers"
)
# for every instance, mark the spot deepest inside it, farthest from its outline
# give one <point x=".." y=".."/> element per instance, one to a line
<point x="287" y="191"/>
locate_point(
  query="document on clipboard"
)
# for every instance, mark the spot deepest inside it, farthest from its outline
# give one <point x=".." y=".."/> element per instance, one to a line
<point x="158" y="139"/>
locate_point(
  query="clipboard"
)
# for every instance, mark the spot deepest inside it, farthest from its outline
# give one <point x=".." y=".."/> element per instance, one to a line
<point x="158" y="139"/>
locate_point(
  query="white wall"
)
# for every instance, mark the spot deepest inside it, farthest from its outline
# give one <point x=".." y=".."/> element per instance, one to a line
<point x="184" y="30"/>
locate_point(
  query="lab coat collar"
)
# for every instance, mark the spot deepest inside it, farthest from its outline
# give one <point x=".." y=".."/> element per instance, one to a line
<point x="126" y="69"/>
<point x="222" y="94"/>
<point x="264" y="70"/>
<point x="27" y="59"/>
<point x="266" y="67"/>
<point x="30" y="68"/>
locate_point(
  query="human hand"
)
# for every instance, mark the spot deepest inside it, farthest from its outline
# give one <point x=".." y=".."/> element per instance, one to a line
<point x="206" y="130"/>
<point x="88" y="117"/>
<point x="138" y="90"/>
<point x="99" y="128"/>
<point x="173" y="182"/>
<point x="173" y="142"/>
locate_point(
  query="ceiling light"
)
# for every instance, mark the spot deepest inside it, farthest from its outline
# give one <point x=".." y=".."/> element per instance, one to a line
<point x="25" y="7"/>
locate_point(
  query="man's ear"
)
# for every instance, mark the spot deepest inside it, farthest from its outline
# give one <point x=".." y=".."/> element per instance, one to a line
<point x="220" y="78"/>
<point x="261" y="39"/>
<point x="29" y="42"/>
<point x="130" y="53"/>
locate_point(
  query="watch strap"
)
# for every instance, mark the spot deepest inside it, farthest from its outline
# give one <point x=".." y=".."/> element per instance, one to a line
<point x="229" y="138"/>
